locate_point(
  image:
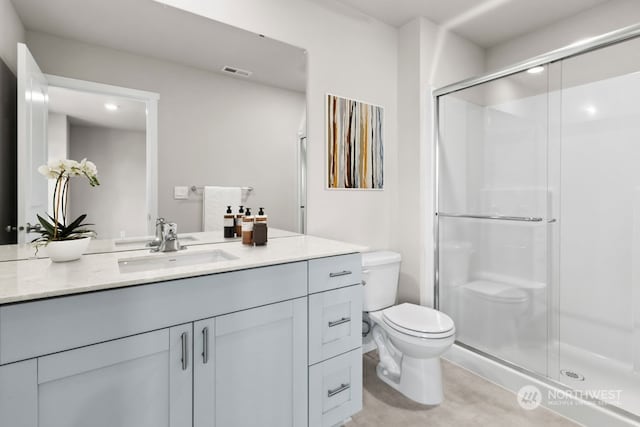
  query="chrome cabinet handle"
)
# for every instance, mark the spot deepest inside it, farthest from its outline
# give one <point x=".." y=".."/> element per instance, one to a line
<point x="339" y="389"/>
<point x="205" y="345"/>
<point x="185" y="355"/>
<point x="340" y="273"/>
<point x="339" y="321"/>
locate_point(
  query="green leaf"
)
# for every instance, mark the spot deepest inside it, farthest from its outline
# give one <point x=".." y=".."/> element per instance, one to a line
<point x="76" y="222"/>
<point x="48" y="229"/>
<point x="75" y="230"/>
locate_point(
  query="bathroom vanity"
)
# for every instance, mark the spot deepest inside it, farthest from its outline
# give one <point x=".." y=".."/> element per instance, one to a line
<point x="265" y="336"/>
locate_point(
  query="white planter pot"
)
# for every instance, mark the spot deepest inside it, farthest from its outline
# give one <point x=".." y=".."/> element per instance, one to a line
<point x="67" y="250"/>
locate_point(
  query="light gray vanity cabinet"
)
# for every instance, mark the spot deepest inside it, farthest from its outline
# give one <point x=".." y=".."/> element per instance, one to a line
<point x="139" y="356"/>
<point x="251" y="367"/>
<point x="138" y="381"/>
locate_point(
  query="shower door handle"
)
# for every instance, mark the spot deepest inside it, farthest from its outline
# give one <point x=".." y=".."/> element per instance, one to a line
<point x="493" y="217"/>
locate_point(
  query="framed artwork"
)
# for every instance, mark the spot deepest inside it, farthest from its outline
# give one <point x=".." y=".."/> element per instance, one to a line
<point x="355" y="146"/>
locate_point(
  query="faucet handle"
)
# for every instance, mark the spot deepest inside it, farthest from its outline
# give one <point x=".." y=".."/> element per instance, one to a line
<point x="171" y="228"/>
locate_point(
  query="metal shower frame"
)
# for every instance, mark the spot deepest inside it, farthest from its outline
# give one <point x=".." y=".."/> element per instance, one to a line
<point x="578" y="48"/>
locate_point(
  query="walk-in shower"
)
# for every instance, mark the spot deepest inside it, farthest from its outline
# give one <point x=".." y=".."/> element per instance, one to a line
<point x="538" y="216"/>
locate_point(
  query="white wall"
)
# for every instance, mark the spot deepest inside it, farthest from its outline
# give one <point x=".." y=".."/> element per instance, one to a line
<point x="11" y="33"/>
<point x="213" y="129"/>
<point x="601" y="19"/>
<point x="118" y="205"/>
<point x="428" y="57"/>
<point x="57" y="144"/>
<point x="348" y="55"/>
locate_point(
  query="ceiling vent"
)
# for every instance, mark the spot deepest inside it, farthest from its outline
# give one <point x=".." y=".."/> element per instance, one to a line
<point x="236" y="71"/>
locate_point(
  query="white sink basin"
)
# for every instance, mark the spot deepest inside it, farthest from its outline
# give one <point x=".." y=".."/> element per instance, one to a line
<point x="172" y="260"/>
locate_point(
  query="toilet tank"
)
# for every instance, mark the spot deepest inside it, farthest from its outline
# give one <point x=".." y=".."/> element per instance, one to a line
<point x="380" y="272"/>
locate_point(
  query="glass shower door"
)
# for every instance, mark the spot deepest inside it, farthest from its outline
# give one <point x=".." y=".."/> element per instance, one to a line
<point x="599" y="295"/>
<point x="493" y="201"/>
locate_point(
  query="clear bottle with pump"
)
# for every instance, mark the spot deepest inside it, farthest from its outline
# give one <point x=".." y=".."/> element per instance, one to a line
<point x="229" y="224"/>
<point x="247" y="228"/>
<point x="238" y="222"/>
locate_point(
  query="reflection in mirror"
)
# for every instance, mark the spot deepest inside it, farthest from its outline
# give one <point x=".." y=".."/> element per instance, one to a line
<point x="111" y="132"/>
<point x="231" y="113"/>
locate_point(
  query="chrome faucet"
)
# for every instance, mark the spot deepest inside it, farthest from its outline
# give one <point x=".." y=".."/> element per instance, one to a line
<point x="160" y="223"/>
<point x="168" y="238"/>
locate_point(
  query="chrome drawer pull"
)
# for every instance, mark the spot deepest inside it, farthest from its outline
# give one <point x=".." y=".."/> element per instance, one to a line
<point x="340" y="389"/>
<point x="339" y="321"/>
<point x="185" y="356"/>
<point x="205" y="345"/>
<point x="340" y="273"/>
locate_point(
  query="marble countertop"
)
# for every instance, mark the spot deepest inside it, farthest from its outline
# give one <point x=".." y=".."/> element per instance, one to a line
<point x="32" y="279"/>
<point x="98" y="246"/>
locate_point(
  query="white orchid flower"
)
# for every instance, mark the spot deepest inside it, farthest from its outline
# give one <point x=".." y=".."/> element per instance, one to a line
<point x="47" y="172"/>
<point x="55" y="169"/>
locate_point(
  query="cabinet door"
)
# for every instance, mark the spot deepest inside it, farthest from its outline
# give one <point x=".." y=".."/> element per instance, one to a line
<point x="19" y="394"/>
<point x="140" y="381"/>
<point x="261" y="367"/>
<point x="204" y="373"/>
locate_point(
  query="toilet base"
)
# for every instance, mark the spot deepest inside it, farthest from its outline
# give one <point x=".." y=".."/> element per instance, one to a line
<point x="420" y="379"/>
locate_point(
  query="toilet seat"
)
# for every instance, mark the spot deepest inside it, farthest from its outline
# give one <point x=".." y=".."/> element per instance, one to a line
<point x="418" y="321"/>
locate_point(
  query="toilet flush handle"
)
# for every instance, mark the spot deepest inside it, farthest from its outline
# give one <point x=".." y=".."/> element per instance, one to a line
<point x="364" y="282"/>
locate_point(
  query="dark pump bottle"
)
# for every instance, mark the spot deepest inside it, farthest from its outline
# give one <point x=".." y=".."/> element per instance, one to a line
<point x="229" y="224"/>
<point x="260" y="229"/>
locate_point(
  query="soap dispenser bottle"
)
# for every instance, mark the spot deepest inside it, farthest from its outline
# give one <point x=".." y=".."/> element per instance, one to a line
<point x="229" y="224"/>
<point x="260" y="229"/>
<point x="239" y="216"/>
<point x="247" y="228"/>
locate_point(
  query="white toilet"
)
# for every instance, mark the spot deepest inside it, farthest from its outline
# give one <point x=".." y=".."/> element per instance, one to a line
<point x="410" y="338"/>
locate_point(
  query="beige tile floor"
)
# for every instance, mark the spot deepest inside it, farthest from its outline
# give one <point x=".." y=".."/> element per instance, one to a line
<point x="469" y="401"/>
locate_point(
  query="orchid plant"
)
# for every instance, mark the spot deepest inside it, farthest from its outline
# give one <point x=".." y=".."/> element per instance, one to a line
<point x="57" y="227"/>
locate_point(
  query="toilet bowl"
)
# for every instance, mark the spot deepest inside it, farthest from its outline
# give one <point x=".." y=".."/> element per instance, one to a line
<point x="409" y="338"/>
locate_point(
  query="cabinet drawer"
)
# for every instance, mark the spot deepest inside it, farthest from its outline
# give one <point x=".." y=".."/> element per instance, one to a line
<point x="334" y="272"/>
<point x="335" y="322"/>
<point x="335" y="389"/>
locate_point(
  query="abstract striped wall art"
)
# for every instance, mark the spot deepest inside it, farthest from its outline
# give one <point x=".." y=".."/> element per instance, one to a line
<point x="355" y="149"/>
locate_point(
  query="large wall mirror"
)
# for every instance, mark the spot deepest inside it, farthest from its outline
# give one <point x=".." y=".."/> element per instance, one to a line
<point x="165" y="103"/>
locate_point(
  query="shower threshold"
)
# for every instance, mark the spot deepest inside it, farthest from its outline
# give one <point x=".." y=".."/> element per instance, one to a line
<point x="588" y="412"/>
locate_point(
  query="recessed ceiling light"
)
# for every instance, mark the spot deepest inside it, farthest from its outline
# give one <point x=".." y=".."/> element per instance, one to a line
<point x="111" y="107"/>
<point x="535" y="70"/>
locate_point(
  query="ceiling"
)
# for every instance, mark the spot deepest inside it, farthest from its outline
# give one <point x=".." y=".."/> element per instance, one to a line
<point x="486" y="23"/>
<point x="88" y="109"/>
<point x="152" y="29"/>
